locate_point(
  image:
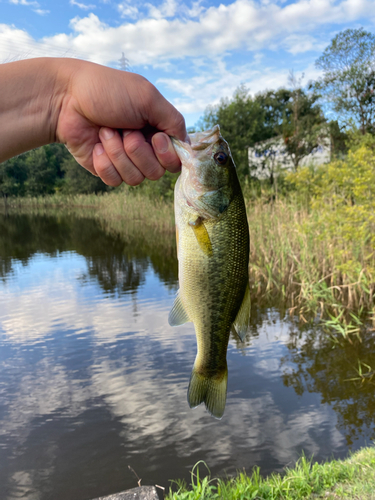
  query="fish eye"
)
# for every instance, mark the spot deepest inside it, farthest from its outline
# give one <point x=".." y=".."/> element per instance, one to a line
<point x="220" y="158"/>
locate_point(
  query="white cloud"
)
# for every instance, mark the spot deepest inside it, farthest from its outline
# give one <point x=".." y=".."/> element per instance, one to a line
<point x="35" y="6"/>
<point x="82" y="5"/>
<point x="128" y="10"/>
<point x="217" y="81"/>
<point x="167" y="9"/>
<point x="24" y="2"/>
<point x="241" y="25"/>
<point x="174" y="36"/>
<point x="41" y="12"/>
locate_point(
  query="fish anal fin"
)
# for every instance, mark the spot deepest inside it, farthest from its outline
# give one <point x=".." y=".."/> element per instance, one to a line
<point x="202" y="235"/>
<point x="210" y="390"/>
<point x="178" y="316"/>
<point x="242" y="322"/>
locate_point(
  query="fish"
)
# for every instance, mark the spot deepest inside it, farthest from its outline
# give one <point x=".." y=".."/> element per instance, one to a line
<point x="213" y="244"/>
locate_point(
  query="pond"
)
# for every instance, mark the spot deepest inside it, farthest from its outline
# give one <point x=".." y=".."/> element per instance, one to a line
<point x="93" y="379"/>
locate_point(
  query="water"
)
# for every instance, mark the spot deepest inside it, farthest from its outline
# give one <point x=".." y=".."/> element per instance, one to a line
<point x="93" y="379"/>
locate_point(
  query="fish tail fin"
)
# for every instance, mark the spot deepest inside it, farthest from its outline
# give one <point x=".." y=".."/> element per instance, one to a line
<point x="210" y="390"/>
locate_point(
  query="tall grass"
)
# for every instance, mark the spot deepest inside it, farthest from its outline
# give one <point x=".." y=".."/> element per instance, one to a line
<point x="352" y="478"/>
<point x="288" y="257"/>
<point x="124" y="204"/>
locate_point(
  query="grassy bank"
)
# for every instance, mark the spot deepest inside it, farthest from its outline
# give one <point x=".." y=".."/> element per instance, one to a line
<point x="353" y="478"/>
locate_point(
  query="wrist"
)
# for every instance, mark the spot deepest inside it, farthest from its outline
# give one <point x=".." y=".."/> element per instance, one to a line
<point x="32" y="93"/>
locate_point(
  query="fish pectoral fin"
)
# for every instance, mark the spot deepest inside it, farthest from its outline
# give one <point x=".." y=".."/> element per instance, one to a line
<point x="178" y="316"/>
<point x="242" y="322"/>
<point x="202" y="235"/>
<point x="233" y="331"/>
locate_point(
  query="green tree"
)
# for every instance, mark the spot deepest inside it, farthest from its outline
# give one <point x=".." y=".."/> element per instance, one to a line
<point x="348" y="80"/>
<point x="303" y="125"/>
<point x="13" y="174"/>
<point x="78" y="180"/>
<point x="296" y="118"/>
<point x="42" y="171"/>
<point x="241" y="120"/>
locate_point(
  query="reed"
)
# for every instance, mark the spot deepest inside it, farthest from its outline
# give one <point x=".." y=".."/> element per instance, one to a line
<point x="122" y="204"/>
<point x="290" y="258"/>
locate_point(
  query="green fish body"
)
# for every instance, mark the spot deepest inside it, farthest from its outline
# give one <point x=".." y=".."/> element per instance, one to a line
<point x="213" y="255"/>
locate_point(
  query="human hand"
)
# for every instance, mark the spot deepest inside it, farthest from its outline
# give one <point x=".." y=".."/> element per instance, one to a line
<point x="102" y="114"/>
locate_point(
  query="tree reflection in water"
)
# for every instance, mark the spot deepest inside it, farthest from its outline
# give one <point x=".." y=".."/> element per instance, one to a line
<point x="317" y="364"/>
<point x="118" y="261"/>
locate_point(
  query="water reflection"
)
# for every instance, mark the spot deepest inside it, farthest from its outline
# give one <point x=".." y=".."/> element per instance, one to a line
<point x="118" y="263"/>
<point x="93" y="379"/>
<point x="333" y="371"/>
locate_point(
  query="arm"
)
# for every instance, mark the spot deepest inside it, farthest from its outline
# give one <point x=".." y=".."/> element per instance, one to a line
<point x="86" y="106"/>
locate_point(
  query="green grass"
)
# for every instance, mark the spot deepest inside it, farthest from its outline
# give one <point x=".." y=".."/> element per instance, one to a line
<point x="353" y="478"/>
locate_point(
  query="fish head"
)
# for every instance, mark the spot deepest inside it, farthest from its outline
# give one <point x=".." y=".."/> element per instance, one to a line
<point x="208" y="176"/>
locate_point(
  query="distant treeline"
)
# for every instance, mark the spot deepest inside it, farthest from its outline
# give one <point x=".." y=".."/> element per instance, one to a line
<point x="46" y="170"/>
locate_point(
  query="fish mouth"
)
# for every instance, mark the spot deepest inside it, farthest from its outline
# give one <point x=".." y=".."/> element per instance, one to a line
<point x="200" y="143"/>
<point x="203" y="140"/>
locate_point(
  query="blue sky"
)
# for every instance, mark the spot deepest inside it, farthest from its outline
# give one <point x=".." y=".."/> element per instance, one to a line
<point x="195" y="52"/>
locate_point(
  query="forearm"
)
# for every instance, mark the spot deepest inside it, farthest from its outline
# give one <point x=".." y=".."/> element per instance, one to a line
<point x="31" y="95"/>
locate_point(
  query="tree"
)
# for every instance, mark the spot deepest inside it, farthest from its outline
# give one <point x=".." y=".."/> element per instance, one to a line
<point x="302" y="127"/>
<point x="348" y="80"/>
<point x="78" y="180"/>
<point x="13" y="174"/>
<point x="295" y="116"/>
<point x="42" y="171"/>
<point x="240" y="119"/>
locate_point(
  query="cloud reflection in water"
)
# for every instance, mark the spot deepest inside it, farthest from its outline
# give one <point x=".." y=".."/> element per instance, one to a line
<point x="92" y="381"/>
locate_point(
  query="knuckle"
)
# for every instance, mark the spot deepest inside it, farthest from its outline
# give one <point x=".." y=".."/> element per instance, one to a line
<point x="155" y="173"/>
<point x="133" y="146"/>
<point x="180" y="121"/>
<point x="117" y="154"/>
<point x="134" y="178"/>
<point x="149" y="93"/>
<point x="109" y="175"/>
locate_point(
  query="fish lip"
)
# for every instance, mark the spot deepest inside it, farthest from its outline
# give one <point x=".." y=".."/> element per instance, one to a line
<point x="200" y="141"/>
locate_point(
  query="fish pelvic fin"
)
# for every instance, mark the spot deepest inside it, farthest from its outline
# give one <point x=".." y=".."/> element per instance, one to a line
<point x="241" y="324"/>
<point x="178" y="316"/>
<point x="210" y="390"/>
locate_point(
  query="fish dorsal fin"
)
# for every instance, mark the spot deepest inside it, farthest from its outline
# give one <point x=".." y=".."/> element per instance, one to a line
<point x="202" y="235"/>
<point x="242" y="322"/>
<point x="178" y="316"/>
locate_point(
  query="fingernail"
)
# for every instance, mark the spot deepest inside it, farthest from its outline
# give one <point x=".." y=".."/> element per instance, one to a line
<point x="107" y="133"/>
<point x="126" y="132"/>
<point x="160" y="143"/>
<point x="187" y="139"/>
<point x="98" y="149"/>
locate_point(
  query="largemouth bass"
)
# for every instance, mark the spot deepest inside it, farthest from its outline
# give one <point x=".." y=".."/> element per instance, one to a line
<point x="213" y="256"/>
